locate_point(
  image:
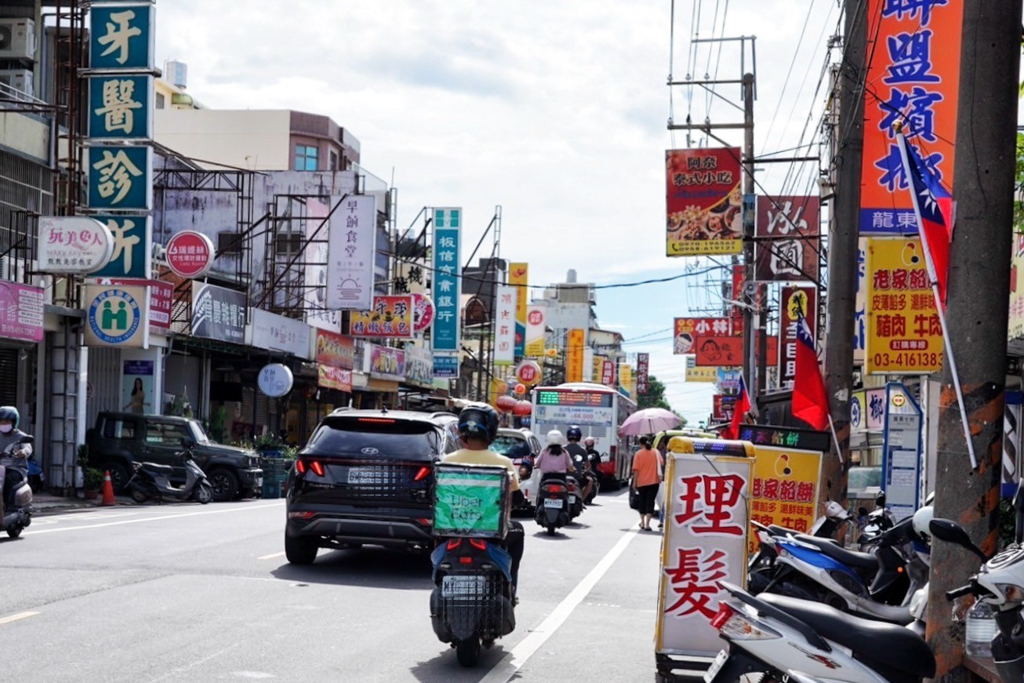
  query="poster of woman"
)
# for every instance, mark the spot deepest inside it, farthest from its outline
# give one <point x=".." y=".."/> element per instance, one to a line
<point x="137" y="383"/>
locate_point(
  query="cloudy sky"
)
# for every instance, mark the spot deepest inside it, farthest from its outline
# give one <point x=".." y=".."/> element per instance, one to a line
<point x="556" y="111"/>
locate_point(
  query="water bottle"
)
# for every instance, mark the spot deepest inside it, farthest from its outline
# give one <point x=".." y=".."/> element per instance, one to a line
<point x="981" y="629"/>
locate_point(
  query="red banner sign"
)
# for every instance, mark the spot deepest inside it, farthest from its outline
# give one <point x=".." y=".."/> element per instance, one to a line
<point x="643" y="361"/>
<point x="728" y="351"/>
<point x="787" y="230"/>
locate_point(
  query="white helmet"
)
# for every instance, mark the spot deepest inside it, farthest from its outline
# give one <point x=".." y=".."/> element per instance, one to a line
<point x="836" y="511"/>
<point x="555" y="438"/>
<point x="922" y="520"/>
<point x="589" y="441"/>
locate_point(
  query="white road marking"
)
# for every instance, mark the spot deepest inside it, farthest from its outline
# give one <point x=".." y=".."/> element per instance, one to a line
<point x="246" y="508"/>
<point x="16" y="617"/>
<point x="198" y="662"/>
<point x="506" y="669"/>
<point x="270" y="557"/>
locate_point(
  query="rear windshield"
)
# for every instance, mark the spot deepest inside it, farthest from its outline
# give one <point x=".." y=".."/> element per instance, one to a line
<point x="399" y="439"/>
<point x="510" y="446"/>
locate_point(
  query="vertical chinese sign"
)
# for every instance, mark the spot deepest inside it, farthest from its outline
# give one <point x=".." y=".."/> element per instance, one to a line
<point x="518" y="276"/>
<point x="705" y="542"/>
<point x="796" y="302"/>
<point x="704" y="202"/>
<point x="575" y="340"/>
<point x="120" y="123"/>
<point x="444" y="336"/>
<point x="913" y="80"/>
<point x="505" y="325"/>
<point x="904" y="335"/>
<point x="536" y="326"/>
<point x="643" y="361"/>
<point x="787" y="231"/>
<point x="351" y="245"/>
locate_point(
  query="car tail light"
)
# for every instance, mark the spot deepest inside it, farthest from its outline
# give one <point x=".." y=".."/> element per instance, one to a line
<point x="422" y="474"/>
<point x="300" y="467"/>
<point x="736" y="625"/>
<point x="454" y="543"/>
<point x="301" y="515"/>
<point x="478" y="544"/>
<point x="425" y="521"/>
<point x="378" y="420"/>
<point x="317" y="467"/>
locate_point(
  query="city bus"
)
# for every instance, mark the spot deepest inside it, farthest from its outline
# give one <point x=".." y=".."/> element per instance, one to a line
<point x="598" y="411"/>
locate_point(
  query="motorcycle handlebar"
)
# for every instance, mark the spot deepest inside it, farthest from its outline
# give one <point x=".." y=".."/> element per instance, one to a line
<point x="959" y="592"/>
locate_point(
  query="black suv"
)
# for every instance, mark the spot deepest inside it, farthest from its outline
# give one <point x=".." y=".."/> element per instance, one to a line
<point x="366" y="476"/>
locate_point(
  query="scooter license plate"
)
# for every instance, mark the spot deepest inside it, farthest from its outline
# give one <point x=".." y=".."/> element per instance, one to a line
<point x="462" y="586"/>
<point x="572" y="499"/>
<point x="553" y="503"/>
<point x="716" y="666"/>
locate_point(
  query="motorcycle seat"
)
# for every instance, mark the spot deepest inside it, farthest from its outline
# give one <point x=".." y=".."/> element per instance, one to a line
<point x="848" y="557"/>
<point x="154" y="467"/>
<point x="885" y="647"/>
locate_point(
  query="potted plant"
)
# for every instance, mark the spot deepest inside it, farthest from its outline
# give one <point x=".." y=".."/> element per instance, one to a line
<point x="93" y="483"/>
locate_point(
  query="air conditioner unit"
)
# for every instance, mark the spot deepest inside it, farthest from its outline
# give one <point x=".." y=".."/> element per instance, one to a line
<point x="18" y="79"/>
<point x="17" y="38"/>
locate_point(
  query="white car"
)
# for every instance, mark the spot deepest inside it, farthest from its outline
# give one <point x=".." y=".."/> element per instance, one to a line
<point x="520" y="445"/>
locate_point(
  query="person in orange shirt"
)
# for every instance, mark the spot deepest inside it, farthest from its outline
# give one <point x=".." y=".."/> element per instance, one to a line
<point x="647" y="467"/>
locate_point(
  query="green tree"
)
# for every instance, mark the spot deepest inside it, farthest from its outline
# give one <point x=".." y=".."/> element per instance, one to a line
<point x="655" y="398"/>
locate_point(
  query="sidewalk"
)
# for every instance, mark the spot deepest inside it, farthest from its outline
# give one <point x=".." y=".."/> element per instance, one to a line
<point x="48" y="504"/>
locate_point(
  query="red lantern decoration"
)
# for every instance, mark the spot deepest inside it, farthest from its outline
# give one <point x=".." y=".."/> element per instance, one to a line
<point x="520" y="389"/>
<point x="523" y="408"/>
<point x="505" y="404"/>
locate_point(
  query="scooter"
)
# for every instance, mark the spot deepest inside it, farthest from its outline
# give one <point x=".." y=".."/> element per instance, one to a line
<point x="151" y="480"/>
<point x="553" y="504"/>
<point x="472" y="603"/>
<point x="762" y="568"/>
<point x="16" y="496"/>
<point x="575" y="496"/>
<point x="585" y="475"/>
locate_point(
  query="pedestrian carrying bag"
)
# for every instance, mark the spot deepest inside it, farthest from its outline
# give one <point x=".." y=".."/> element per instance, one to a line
<point x="471" y="500"/>
<point x="634" y="499"/>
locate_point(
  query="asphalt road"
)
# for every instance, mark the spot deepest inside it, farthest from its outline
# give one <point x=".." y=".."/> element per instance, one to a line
<point x="204" y="593"/>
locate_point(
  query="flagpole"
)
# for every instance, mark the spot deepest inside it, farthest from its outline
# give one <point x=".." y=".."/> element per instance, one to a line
<point x="904" y="153"/>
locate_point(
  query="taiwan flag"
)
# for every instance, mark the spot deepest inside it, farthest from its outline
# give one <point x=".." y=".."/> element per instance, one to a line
<point x="933" y="206"/>
<point x="739" y="410"/>
<point x="810" y="401"/>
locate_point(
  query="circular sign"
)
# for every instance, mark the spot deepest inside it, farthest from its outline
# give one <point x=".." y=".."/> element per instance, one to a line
<point x="114" y="316"/>
<point x="898" y="400"/>
<point x="275" y="380"/>
<point x="190" y="254"/>
<point x="422" y="312"/>
<point x="535" y="317"/>
<point x="528" y="372"/>
<point x="73" y="244"/>
<point x="520" y="389"/>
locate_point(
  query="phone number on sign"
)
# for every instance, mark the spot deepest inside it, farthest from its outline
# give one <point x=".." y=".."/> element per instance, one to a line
<point x="909" y="359"/>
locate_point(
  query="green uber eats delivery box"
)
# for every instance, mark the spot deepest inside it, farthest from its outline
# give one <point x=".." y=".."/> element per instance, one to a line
<point x="471" y="500"/>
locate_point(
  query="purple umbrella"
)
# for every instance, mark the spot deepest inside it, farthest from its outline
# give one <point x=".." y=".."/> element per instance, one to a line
<point x="649" y="421"/>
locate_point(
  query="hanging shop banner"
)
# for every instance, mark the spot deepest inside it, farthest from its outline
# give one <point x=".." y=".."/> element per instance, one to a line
<point x="419" y="366"/>
<point x="901" y="451"/>
<point x="73" y="244"/>
<point x="351" y="251"/>
<point x="385" y="362"/>
<point x="696" y="374"/>
<point x="331" y="377"/>
<point x="575" y="341"/>
<point x="590" y="370"/>
<point x="116" y="315"/>
<point x="161" y="300"/>
<point x="133" y="244"/>
<point x="643" y="361"/>
<point x="506" y="297"/>
<point x="518" y="277"/>
<point x="796" y="302"/>
<point x="317" y="231"/>
<point x="785" y="490"/>
<point x="137" y="387"/>
<point x="120" y="107"/>
<point x="391" y="318"/>
<point x="728" y="380"/>
<point x="279" y="333"/>
<point x="190" y="254"/>
<point x="1015" y="328"/>
<point x="722" y="407"/>
<point x="728" y="351"/>
<point x="422" y="312"/>
<point x="335" y="350"/>
<point x="446" y="367"/>
<point x="608" y="373"/>
<point x="860" y="328"/>
<point x="704" y="202"/>
<point x="536" y="326"/>
<point x="787" y="233"/>
<point x="218" y="313"/>
<point x="626" y="380"/>
<point x="705" y="542"/>
<point x="120" y="178"/>
<point x="444" y="335"/>
<point x="914" y="73"/>
<point x="904" y="332"/>
<point x="21" y="311"/>
<point x="688" y="329"/>
<point x="122" y="36"/>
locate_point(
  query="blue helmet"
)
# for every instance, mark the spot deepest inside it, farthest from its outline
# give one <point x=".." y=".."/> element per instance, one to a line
<point x="10" y="414"/>
<point x="574" y="433"/>
<point x="480" y="420"/>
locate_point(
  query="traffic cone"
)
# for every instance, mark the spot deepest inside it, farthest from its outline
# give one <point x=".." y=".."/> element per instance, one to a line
<point x="108" y="491"/>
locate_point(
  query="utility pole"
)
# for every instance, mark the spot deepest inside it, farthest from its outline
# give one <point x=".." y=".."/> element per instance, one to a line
<point x="750" y="370"/>
<point x="842" y="245"/>
<point x="977" y="307"/>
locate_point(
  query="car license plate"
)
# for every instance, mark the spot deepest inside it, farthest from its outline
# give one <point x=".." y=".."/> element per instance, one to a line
<point x="363" y="475"/>
<point x="716" y="666"/>
<point x="553" y="503"/>
<point x="462" y="586"/>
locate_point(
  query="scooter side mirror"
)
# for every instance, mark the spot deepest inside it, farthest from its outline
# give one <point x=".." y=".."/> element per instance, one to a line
<point x="880" y="499"/>
<point x="951" y="532"/>
<point x="27" y="439"/>
<point x="187" y="442"/>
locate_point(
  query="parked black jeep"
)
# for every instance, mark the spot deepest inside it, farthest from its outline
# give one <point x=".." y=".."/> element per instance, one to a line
<point x="118" y="439"/>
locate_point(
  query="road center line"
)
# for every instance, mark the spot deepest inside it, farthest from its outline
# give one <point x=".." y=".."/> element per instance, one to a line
<point x="16" y="617"/>
<point x="504" y="670"/>
<point x="247" y="508"/>
<point x="270" y="557"/>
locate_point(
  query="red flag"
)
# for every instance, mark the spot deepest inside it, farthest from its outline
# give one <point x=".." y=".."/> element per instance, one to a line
<point x="739" y="409"/>
<point x="810" y="400"/>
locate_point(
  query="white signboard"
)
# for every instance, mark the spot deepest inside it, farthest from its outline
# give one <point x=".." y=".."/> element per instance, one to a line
<point x="275" y="380"/>
<point x="350" y="254"/>
<point x="577" y="415"/>
<point x="315" y="291"/>
<point x="73" y="244"/>
<point x="705" y="541"/>
<point x="278" y="333"/>
<point x="505" y="324"/>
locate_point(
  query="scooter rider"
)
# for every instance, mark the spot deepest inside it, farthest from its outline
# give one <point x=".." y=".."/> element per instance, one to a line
<point x="9" y="436"/>
<point x="478" y="426"/>
<point x="554" y="461"/>
<point x="590" y="444"/>
<point x="574" y="434"/>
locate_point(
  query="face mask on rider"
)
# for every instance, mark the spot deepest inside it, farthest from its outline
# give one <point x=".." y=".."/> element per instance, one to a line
<point x="6" y="428"/>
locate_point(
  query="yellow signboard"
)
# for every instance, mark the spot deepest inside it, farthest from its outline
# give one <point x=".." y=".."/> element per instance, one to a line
<point x="904" y="335"/>
<point x="574" y="343"/>
<point x="785" y="489"/>
<point x="696" y="374"/>
<point x="518" y="274"/>
<point x="626" y="379"/>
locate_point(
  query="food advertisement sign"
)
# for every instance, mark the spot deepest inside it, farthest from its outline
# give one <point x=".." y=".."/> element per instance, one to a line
<point x="335" y="350"/>
<point x="391" y="317"/>
<point x="728" y="351"/>
<point x="904" y="332"/>
<point x="707" y="518"/>
<point x="386" y="363"/>
<point x="688" y="329"/>
<point x="787" y="231"/>
<point x="351" y="249"/>
<point x="21" y="311"/>
<point x="914" y="77"/>
<point x="704" y="202"/>
<point x="331" y="377"/>
<point x="785" y="490"/>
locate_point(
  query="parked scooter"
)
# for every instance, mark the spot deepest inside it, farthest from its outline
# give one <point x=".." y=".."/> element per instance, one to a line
<point x="16" y="497"/>
<point x="472" y="604"/>
<point x="762" y="567"/>
<point x="553" y="504"/>
<point x="875" y="523"/>
<point x="151" y="480"/>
